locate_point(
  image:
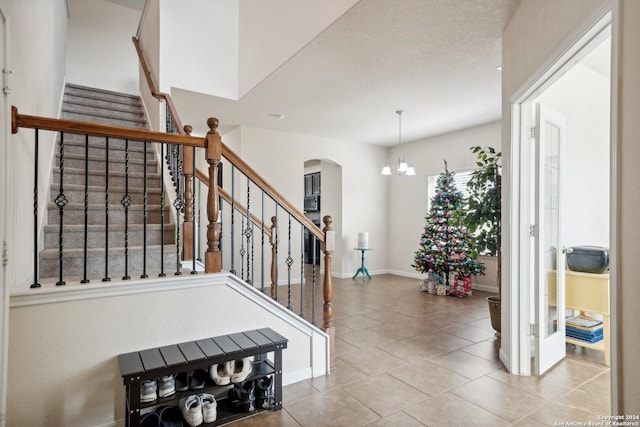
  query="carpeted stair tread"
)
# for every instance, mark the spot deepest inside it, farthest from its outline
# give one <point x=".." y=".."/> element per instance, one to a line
<point x="101" y="94"/>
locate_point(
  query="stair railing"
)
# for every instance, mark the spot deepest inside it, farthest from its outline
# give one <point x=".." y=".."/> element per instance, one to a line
<point x="249" y="224"/>
<point x="101" y="136"/>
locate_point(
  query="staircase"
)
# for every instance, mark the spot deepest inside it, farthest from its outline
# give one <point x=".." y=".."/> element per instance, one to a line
<point x="104" y="107"/>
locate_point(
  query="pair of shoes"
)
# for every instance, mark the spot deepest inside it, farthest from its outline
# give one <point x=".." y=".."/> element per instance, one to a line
<point x="242" y="397"/>
<point x="165" y="416"/>
<point x="194" y="380"/>
<point x="199" y="408"/>
<point x="231" y="371"/>
<point x="150" y="419"/>
<point x="170" y="416"/>
<point x="166" y="386"/>
<point x="148" y="391"/>
<point x="264" y="393"/>
<point x="221" y="372"/>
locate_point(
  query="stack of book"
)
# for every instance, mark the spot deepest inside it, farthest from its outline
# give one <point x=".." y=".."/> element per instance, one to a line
<point x="585" y="328"/>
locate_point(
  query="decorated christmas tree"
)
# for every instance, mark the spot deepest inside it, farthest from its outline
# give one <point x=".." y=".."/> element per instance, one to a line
<point x="446" y="248"/>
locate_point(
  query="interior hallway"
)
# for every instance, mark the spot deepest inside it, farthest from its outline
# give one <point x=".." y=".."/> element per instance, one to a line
<point x="407" y="358"/>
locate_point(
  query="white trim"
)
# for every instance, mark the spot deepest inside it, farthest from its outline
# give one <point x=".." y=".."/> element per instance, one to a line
<point x="296" y="376"/>
<point x="567" y="54"/>
<point x="613" y="217"/>
<point x="4" y="180"/>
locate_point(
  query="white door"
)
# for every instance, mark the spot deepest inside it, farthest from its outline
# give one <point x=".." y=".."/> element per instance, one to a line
<point x="549" y="255"/>
<point x="4" y="142"/>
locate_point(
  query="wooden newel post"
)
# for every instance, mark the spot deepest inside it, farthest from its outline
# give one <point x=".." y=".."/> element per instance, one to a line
<point x="213" y="257"/>
<point x="328" y="246"/>
<point x="274" y="256"/>
<point x="187" y="224"/>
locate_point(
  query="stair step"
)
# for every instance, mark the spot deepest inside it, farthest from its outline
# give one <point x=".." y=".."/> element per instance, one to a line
<point x="82" y="102"/>
<point x="96" y="194"/>
<point x="73" y="262"/>
<point x="74" y="214"/>
<point x="95" y="114"/>
<point x="102" y="94"/>
<point x="81" y="116"/>
<point x="97" y="163"/>
<point x="116" y="178"/>
<point x="97" y="149"/>
<point x="73" y="235"/>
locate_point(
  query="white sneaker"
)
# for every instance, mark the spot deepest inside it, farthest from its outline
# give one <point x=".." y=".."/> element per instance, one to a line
<point x="221" y="373"/>
<point x="242" y="370"/>
<point x="209" y="407"/>
<point x="191" y="408"/>
<point x="148" y="390"/>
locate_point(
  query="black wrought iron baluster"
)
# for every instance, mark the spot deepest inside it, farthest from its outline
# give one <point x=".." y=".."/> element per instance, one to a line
<point x="302" y="231"/>
<point x="194" y="234"/>
<point x="242" y="251"/>
<point x="162" y="273"/>
<point x="262" y="245"/>
<point x="61" y="201"/>
<point x="86" y="209"/>
<point x="126" y="203"/>
<point x="289" y="262"/>
<point x="36" y="281"/>
<point x="275" y="261"/>
<point x="247" y="231"/>
<point x="178" y="203"/>
<point x="313" y="282"/>
<point x="144" y="215"/>
<point x="253" y="274"/>
<point x="106" y="277"/>
<point x="233" y="220"/>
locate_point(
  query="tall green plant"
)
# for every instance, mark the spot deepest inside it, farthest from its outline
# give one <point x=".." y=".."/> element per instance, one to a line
<point x="483" y="218"/>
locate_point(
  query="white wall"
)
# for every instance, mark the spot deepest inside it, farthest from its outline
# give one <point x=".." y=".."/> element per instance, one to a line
<point x="63" y="355"/>
<point x="582" y="97"/>
<point x="100" y="52"/>
<point x="199" y="46"/>
<point x="364" y="190"/>
<point x="37" y="62"/>
<point x="149" y="40"/>
<point x="408" y="194"/>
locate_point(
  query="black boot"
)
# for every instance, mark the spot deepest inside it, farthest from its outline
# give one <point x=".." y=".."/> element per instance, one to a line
<point x="264" y="393"/>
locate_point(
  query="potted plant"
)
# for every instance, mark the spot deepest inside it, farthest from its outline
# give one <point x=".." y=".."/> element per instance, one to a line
<point x="484" y="215"/>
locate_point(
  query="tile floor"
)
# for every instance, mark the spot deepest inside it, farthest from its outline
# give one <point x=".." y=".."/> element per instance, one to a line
<point x="406" y="358"/>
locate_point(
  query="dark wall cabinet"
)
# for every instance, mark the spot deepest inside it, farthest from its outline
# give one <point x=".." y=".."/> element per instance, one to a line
<point x="312" y="184"/>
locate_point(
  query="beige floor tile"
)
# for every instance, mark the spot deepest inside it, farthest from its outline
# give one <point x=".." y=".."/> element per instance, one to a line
<point x="448" y="410"/>
<point x="343" y="347"/>
<point x="358" y="322"/>
<point x="488" y="349"/>
<point x="466" y="364"/>
<point x="342" y="375"/>
<point x="398" y="419"/>
<point x="297" y="391"/>
<point x="429" y="377"/>
<point x="385" y="394"/>
<point x="529" y="422"/>
<point x="268" y="419"/>
<point x="594" y="396"/>
<point x="331" y="410"/>
<point x="410" y="349"/>
<point x="470" y="333"/>
<point x="373" y="361"/>
<point x="555" y="412"/>
<point x="365" y="339"/>
<point x="499" y="398"/>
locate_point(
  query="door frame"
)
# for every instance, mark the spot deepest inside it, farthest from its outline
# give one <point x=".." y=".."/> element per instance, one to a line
<point x="518" y="313"/>
<point x="4" y="142"/>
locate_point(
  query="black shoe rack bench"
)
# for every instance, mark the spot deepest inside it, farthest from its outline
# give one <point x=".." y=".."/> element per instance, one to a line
<point x="173" y="359"/>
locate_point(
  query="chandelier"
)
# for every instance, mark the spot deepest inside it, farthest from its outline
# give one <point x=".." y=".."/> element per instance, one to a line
<point x="403" y="167"/>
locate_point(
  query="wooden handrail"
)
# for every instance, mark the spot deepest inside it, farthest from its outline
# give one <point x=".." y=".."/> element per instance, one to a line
<point x="202" y="177"/>
<point x="154" y="88"/>
<point x="74" y="126"/>
<point x="270" y="191"/>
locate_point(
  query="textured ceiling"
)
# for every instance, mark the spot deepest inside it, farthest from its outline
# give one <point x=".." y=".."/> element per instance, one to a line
<point x="435" y="59"/>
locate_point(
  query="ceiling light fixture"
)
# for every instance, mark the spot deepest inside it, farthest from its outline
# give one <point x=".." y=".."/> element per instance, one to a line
<point x="403" y="168"/>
